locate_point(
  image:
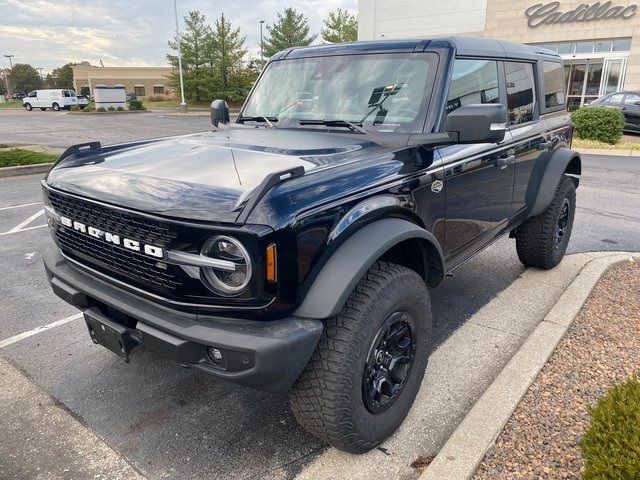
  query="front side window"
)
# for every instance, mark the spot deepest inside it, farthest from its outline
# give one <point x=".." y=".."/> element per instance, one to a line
<point x="615" y="99"/>
<point x="382" y="92"/>
<point x="33" y="94"/>
<point x="66" y="93"/>
<point x="473" y="81"/>
<point x="520" y="92"/>
<point x="553" y="84"/>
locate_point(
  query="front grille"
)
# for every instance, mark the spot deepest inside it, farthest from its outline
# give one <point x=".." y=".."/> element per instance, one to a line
<point x="115" y="259"/>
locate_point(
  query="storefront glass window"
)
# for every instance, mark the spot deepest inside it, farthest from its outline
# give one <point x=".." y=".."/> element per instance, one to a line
<point x="622" y="44"/>
<point x="603" y="46"/>
<point x="551" y="46"/>
<point x="584" y="47"/>
<point x="565" y="47"/>
<point x="594" y="75"/>
<point x="577" y="79"/>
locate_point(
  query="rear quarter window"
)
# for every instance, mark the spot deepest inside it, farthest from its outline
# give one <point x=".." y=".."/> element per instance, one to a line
<point x="554" y="95"/>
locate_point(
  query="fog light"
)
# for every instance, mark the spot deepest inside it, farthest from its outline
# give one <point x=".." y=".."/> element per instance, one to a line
<point x="215" y="355"/>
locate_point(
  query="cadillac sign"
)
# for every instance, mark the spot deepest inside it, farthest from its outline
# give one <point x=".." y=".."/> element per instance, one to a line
<point x="550" y="13"/>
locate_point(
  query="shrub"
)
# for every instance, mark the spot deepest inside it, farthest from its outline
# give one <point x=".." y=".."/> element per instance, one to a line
<point x="599" y="123"/>
<point x="160" y="97"/>
<point x="74" y="108"/>
<point x="120" y="109"/>
<point x="90" y="106"/>
<point x="136" y="105"/>
<point x="112" y="108"/>
<point x="101" y="109"/>
<point x="611" y="445"/>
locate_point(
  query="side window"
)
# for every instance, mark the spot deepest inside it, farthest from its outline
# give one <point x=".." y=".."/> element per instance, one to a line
<point x="66" y="93"/>
<point x="33" y="94"/>
<point x="631" y="99"/>
<point x="553" y="84"/>
<point x="615" y="99"/>
<point x="521" y="98"/>
<point x="473" y="81"/>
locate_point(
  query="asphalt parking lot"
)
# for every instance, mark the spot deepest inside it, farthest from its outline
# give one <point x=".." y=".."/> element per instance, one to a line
<point x="175" y="423"/>
<point x="60" y="129"/>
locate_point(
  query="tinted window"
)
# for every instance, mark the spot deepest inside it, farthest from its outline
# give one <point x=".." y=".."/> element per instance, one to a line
<point x="631" y="99"/>
<point x="615" y="99"/>
<point x="553" y="84"/>
<point x="33" y="94"/>
<point x="473" y="81"/>
<point x="520" y="92"/>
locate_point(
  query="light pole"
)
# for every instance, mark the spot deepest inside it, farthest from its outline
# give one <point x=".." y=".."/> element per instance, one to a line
<point x="7" y="76"/>
<point x="183" y="104"/>
<point x="261" y="43"/>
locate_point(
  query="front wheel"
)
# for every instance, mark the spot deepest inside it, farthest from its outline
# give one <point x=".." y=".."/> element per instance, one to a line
<point x="542" y="240"/>
<point x="369" y="363"/>
<point x="55" y="107"/>
<point x="28" y="107"/>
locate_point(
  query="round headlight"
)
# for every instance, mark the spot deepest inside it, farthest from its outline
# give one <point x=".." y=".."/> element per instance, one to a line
<point x="227" y="282"/>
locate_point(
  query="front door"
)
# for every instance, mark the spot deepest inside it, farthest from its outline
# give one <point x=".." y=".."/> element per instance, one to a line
<point x="478" y="178"/>
<point x="631" y="110"/>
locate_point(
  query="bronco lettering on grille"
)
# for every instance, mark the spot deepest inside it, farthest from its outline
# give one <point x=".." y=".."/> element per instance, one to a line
<point x="112" y="238"/>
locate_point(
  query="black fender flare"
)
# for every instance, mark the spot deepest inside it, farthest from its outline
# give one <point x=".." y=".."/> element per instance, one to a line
<point x="548" y="180"/>
<point x="348" y="264"/>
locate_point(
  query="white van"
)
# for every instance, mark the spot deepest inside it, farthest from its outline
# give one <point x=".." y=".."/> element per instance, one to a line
<point x="53" y="98"/>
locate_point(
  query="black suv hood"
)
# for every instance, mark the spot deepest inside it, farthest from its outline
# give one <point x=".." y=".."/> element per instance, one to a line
<point x="206" y="176"/>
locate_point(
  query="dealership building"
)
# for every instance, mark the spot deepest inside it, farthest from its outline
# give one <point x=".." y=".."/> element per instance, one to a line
<point x="599" y="41"/>
<point x="142" y="81"/>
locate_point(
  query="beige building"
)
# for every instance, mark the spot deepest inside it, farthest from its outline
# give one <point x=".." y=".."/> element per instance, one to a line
<point x="142" y="81"/>
<point x="599" y="41"/>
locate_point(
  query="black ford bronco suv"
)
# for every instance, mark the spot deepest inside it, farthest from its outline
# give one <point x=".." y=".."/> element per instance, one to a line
<point x="293" y="249"/>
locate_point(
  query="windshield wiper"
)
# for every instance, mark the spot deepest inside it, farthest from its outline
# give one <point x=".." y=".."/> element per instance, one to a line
<point x="335" y="123"/>
<point x="259" y="118"/>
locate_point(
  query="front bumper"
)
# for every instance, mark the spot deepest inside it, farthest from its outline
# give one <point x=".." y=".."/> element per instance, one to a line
<point x="266" y="355"/>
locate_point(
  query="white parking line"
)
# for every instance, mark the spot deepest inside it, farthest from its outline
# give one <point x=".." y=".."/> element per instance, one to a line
<point x="21" y="336"/>
<point x="20" y="206"/>
<point x="19" y="227"/>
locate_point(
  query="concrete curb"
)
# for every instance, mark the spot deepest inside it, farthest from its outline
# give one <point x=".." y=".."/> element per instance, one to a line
<point x="462" y="453"/>
<point x="25" y="170"/>
<point x="614" y="153"/>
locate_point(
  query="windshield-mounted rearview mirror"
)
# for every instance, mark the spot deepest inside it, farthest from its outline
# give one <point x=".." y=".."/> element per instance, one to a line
<point x="219" y="112"/>
<point x="478" y="123"/>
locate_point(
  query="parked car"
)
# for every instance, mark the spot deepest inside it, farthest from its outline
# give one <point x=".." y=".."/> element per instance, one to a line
<point x="83" y="101"/>
<point x="55" y="99"/>
<point x="130" y="96"/>
<point x="293" y="249"/>
<point x="18" y="96"/>
<point x="629" y="102"/>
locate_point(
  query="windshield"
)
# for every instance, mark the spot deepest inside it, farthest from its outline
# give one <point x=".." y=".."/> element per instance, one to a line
<point x="381" y="92"/>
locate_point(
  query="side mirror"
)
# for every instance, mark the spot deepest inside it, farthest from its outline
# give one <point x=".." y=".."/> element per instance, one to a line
<point x="479" y="123"/>
<point x="219" y="112"/>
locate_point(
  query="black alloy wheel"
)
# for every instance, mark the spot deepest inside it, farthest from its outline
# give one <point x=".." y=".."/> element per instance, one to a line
<point x="389" y="362"/>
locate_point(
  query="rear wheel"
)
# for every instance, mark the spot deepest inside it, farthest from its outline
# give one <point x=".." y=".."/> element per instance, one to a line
<point x="369" y="363"/>
<point x="28" y="107"/>
<point x="55" y="107"/>
<point x="542" y="240"/>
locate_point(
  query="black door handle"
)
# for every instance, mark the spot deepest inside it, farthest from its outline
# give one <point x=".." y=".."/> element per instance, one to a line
<point x="503" y="162"/>
<point x="545" y="145"/>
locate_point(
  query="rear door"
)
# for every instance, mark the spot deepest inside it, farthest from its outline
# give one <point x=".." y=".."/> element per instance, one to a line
<point x="631" y="110"/>
<point x="478" y="179"/>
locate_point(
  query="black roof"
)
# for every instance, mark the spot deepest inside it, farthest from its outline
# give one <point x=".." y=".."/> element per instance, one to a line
<point x="464" y="45"/>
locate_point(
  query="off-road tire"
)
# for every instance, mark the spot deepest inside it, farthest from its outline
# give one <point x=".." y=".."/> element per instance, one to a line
<point x="28" y="107"/>
<point x="536" y="237"/>
<point x="328" y="399"/>
<point x="56" y="107"/>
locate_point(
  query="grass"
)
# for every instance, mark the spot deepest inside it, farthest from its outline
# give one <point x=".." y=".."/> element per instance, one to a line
<point x="17" y="156"/>
<point x="11" y="104"/>
<point x="611" y="445"/>
<point x="594" y="144"/>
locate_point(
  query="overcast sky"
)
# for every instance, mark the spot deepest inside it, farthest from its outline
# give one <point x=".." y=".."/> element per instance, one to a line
<point x="49" y="34"/>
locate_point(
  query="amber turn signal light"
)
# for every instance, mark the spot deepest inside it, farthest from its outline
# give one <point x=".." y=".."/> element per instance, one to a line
<point x="271" y="263"/>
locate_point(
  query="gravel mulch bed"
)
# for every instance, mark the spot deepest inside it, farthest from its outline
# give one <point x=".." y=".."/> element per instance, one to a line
<point x="601" y="348"/>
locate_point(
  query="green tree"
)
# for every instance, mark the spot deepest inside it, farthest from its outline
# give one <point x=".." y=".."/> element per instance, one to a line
<point x="341" y="26"/>
<point x="226" y="49"/>
<point x="198" y="81"/>
<point x="62" y="77"/>
<point x="290" y="30"/>
<point x="24" y="78"/>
